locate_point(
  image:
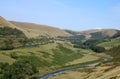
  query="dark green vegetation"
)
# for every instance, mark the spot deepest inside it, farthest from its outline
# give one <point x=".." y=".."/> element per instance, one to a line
<point x="62" y="59"/>
<point x="98" y="35"/>
<point x="20" y="69"/>
<point x="10" y="38"/>
<point x="11" y="32"/>
<point x="90" y="44"/>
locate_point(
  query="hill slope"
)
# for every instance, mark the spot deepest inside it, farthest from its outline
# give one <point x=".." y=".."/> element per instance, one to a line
<point x="33" y="30"/>
<point x="110" y="43"/>
<point x="37" y="29"/>
<point x="4" y="22"/>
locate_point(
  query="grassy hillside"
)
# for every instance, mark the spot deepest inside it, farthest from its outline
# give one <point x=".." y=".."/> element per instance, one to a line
<point x="5" y="23"/>
<point x="115" y="52"/>
<point x="110" y="43"/>
<point x="33" y="30"/>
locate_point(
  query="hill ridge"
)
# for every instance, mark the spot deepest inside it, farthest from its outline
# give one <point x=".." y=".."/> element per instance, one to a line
<point x="32" y="30"/>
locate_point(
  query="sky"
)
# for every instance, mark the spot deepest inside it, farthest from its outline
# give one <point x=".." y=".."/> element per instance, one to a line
<point x="65" y="14"/>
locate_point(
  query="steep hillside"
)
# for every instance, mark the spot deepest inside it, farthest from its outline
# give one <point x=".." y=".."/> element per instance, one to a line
<point x="37" y="29"/>
<point x="4" y="22"/>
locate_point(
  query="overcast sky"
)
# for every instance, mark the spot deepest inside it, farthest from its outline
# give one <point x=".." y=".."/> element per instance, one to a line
<point x="65" y="14"/>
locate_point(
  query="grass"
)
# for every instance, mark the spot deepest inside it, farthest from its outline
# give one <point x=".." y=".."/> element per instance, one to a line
<point x="33" y="30"/>
<point x="110" y="43"/>
<point x="6" y="59"/>
<point x="86" y="58"/>
<point x="63" y="55"/>
<point x="45" y="54"/>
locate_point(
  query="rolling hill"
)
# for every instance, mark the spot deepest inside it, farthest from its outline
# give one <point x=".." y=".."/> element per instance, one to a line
<point x="93" y="34"/>
<point x="37" y="29"/>
<point x="33" y="30"/>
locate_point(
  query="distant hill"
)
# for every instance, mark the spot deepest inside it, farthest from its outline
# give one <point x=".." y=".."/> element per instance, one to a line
<point x="98" y="33"/>
<point x="93" y="34"/>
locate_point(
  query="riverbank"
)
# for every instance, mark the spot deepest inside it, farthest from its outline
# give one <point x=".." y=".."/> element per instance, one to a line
<point x="83" y="65"/>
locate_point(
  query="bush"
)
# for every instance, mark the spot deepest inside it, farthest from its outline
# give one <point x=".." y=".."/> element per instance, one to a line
<point x="97" y="48"/>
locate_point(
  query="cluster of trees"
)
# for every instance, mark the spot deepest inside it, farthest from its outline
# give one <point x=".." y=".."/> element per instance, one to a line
<point x="21" y="69"/>
<point x="90" y="44"/>
<point x="11" y="32"/>
<point x="10" y="38"/>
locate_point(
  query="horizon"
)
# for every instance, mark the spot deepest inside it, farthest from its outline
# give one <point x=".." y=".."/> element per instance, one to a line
<point x="74" y="15"/>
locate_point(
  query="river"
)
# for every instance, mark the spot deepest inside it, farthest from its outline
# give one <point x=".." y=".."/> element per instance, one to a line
<point x="69" y="69"/>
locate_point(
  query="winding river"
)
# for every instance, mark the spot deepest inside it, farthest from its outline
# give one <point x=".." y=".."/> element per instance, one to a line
<point x="69" y="69"/>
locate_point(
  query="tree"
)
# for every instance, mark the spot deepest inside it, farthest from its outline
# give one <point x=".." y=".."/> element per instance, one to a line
<point x="19" y="70"/>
